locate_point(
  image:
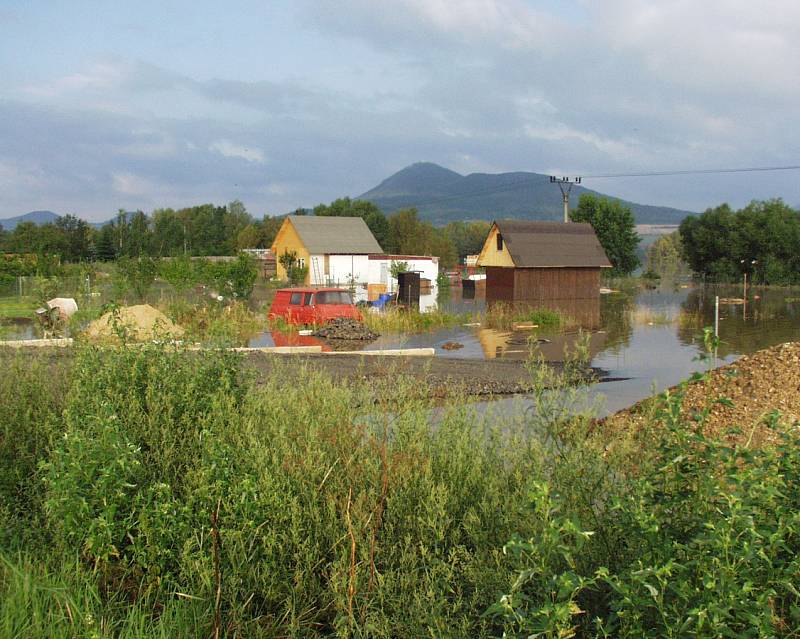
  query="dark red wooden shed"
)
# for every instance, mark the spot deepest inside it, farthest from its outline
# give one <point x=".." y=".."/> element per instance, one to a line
<point x="529" y="261"/>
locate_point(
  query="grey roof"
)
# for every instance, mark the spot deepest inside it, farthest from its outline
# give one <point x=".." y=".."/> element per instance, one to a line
<point x="336" y="235"/>
<point x="552" y="244"/>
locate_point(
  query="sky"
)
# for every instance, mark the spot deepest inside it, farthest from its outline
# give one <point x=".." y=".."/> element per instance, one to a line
<point x="281" y="104"/>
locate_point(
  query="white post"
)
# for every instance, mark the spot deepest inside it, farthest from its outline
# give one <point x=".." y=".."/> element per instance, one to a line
<point x="716" y="316"/>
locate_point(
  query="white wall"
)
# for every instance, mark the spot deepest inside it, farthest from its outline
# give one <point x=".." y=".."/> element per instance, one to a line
<point x="341" y="269"/>
<point x="379" y="270"/>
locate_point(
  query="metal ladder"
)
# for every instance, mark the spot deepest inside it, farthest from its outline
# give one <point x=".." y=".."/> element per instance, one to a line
<point x="316" y="271"/>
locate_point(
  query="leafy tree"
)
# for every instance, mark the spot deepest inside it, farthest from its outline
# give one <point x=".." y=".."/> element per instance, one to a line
<point x="260" y="234"/>
<point x="134" y="275"/>
<point x="77" y="236"/>
<point x="411" y="236"/>
<point x="615" y="228"/>
<point x="235" y="220"/>
<point x="706" y="242"/>
<point x="248" y="237"/>
<point x="178" y="271"/>
<point x="406" y="233"/>
<point x="665" y="255"/>
<point x="397" y="267"/>
<point x="105" y="250"/>
<point x="467" y="237"/>
<point x="237" y="278"/>
<point x="122" y="232"/>
<point x="139" y="235"/>
<point x="169" y="233"/>
<point x="762" y="239"/>
<point x="372" y="215"/>
<point x="289" y="261"/>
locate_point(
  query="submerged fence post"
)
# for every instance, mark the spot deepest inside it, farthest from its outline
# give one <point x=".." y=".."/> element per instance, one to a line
<point x="716" y="316"/>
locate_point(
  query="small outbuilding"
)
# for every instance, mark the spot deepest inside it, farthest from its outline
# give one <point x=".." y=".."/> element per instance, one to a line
<point x="335" y="249"/>
<point x="531" y="261"/>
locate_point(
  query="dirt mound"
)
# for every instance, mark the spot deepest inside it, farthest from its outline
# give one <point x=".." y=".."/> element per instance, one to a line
<point x="345" y="328"/>
<point x="756" y="384"/>
<point x="140" y="323"/>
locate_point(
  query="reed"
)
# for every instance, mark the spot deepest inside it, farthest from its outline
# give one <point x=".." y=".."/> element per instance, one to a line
<point x="402" y="320"/>
<point x="506" y="316"/>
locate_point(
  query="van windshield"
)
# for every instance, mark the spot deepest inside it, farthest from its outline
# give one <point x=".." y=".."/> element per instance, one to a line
<point x="334" y="297"/>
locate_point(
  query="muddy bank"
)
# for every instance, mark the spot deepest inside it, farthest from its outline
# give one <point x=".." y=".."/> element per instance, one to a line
<point x="441" y="375"/>
<point x="756" y="385"/>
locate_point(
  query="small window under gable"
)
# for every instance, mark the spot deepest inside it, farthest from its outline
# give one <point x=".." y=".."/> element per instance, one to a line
<point x="499" y="242"/>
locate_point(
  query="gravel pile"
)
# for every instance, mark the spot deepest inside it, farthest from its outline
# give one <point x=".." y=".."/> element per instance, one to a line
<point x="345" y="329"/>
<point x="756" y="384"/>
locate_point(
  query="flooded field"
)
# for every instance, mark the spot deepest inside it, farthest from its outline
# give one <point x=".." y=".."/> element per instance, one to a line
<point x="645" y="340"/>
<point x="642" y="340"/>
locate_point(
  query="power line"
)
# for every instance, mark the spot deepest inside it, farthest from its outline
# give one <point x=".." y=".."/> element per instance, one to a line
<point x="535" y="178"/>
<point x="752" y="169"/>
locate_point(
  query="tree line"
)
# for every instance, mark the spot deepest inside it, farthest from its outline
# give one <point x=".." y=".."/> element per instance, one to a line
<point x="762" y="239"/>
<point x="207" y="229"/>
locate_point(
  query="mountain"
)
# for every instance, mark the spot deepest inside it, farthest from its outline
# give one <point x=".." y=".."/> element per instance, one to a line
<point x="37" y="217"/>
<point x="441" y="195"/>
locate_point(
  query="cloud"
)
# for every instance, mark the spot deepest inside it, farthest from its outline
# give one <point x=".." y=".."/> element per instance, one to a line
<point x="436" y="24"/>
<point x="231" y="150"/>
<point x="130" y="184"/>
<point x="482" y="85"/>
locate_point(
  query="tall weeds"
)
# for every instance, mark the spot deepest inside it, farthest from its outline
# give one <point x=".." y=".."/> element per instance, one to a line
<point x="341" y="510"/>
<point x="152" y="492"/>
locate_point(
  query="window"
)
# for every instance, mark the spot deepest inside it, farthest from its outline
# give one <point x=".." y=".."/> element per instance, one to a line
<point x="309" y="299"/>
<point x="499" y="242"/>
<point x="295" y="298"/>
<point x="334" y="297"/>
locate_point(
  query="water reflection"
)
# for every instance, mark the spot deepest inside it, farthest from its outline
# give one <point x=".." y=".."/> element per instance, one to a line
<point x="767" y="317"/>
<point x="524" y="344"/>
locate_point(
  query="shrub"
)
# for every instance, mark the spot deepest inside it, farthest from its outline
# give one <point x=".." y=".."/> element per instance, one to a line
<point x="339" y="509"/>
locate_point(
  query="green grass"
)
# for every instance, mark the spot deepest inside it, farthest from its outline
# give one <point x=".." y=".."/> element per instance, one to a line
<point x="17" y="307"/>
<point x="401" y="320"/>
<point x="506" y="316"/>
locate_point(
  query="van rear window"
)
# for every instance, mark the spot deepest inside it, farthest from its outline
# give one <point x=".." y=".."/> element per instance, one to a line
<point x="334" y="297"/>
<point x="295" y="298"/>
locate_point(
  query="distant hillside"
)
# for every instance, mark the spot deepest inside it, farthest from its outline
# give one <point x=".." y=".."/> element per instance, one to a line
<point x="46" y="217"/>
<point x="442" y="196"/>
<point x="37" y="217"/>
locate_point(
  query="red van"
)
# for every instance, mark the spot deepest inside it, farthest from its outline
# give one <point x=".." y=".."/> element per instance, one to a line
<point x="313" y="305"/>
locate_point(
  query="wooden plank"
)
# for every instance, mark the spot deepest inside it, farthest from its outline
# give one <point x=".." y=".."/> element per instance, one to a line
<point x="389" y="352"/>
<point x="22" y="343"/>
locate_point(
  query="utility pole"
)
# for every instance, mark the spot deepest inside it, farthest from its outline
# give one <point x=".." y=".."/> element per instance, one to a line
<point x="565" y="184"/>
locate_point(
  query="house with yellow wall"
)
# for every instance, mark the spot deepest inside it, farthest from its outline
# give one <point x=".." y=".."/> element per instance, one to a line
<point x="532" y="261"/>
<point x="336" y="250"/>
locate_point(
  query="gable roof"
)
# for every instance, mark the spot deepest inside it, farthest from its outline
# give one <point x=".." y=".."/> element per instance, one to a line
<point x="342" y="235"/>
<point x="552" y="244"/>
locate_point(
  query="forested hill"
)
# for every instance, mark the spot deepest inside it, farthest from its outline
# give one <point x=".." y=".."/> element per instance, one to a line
<point x="37" y="217"/>
<point x="441" y="196"/>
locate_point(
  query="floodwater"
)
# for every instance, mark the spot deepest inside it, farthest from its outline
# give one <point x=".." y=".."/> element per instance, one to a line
<point x="643" y="340"/>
